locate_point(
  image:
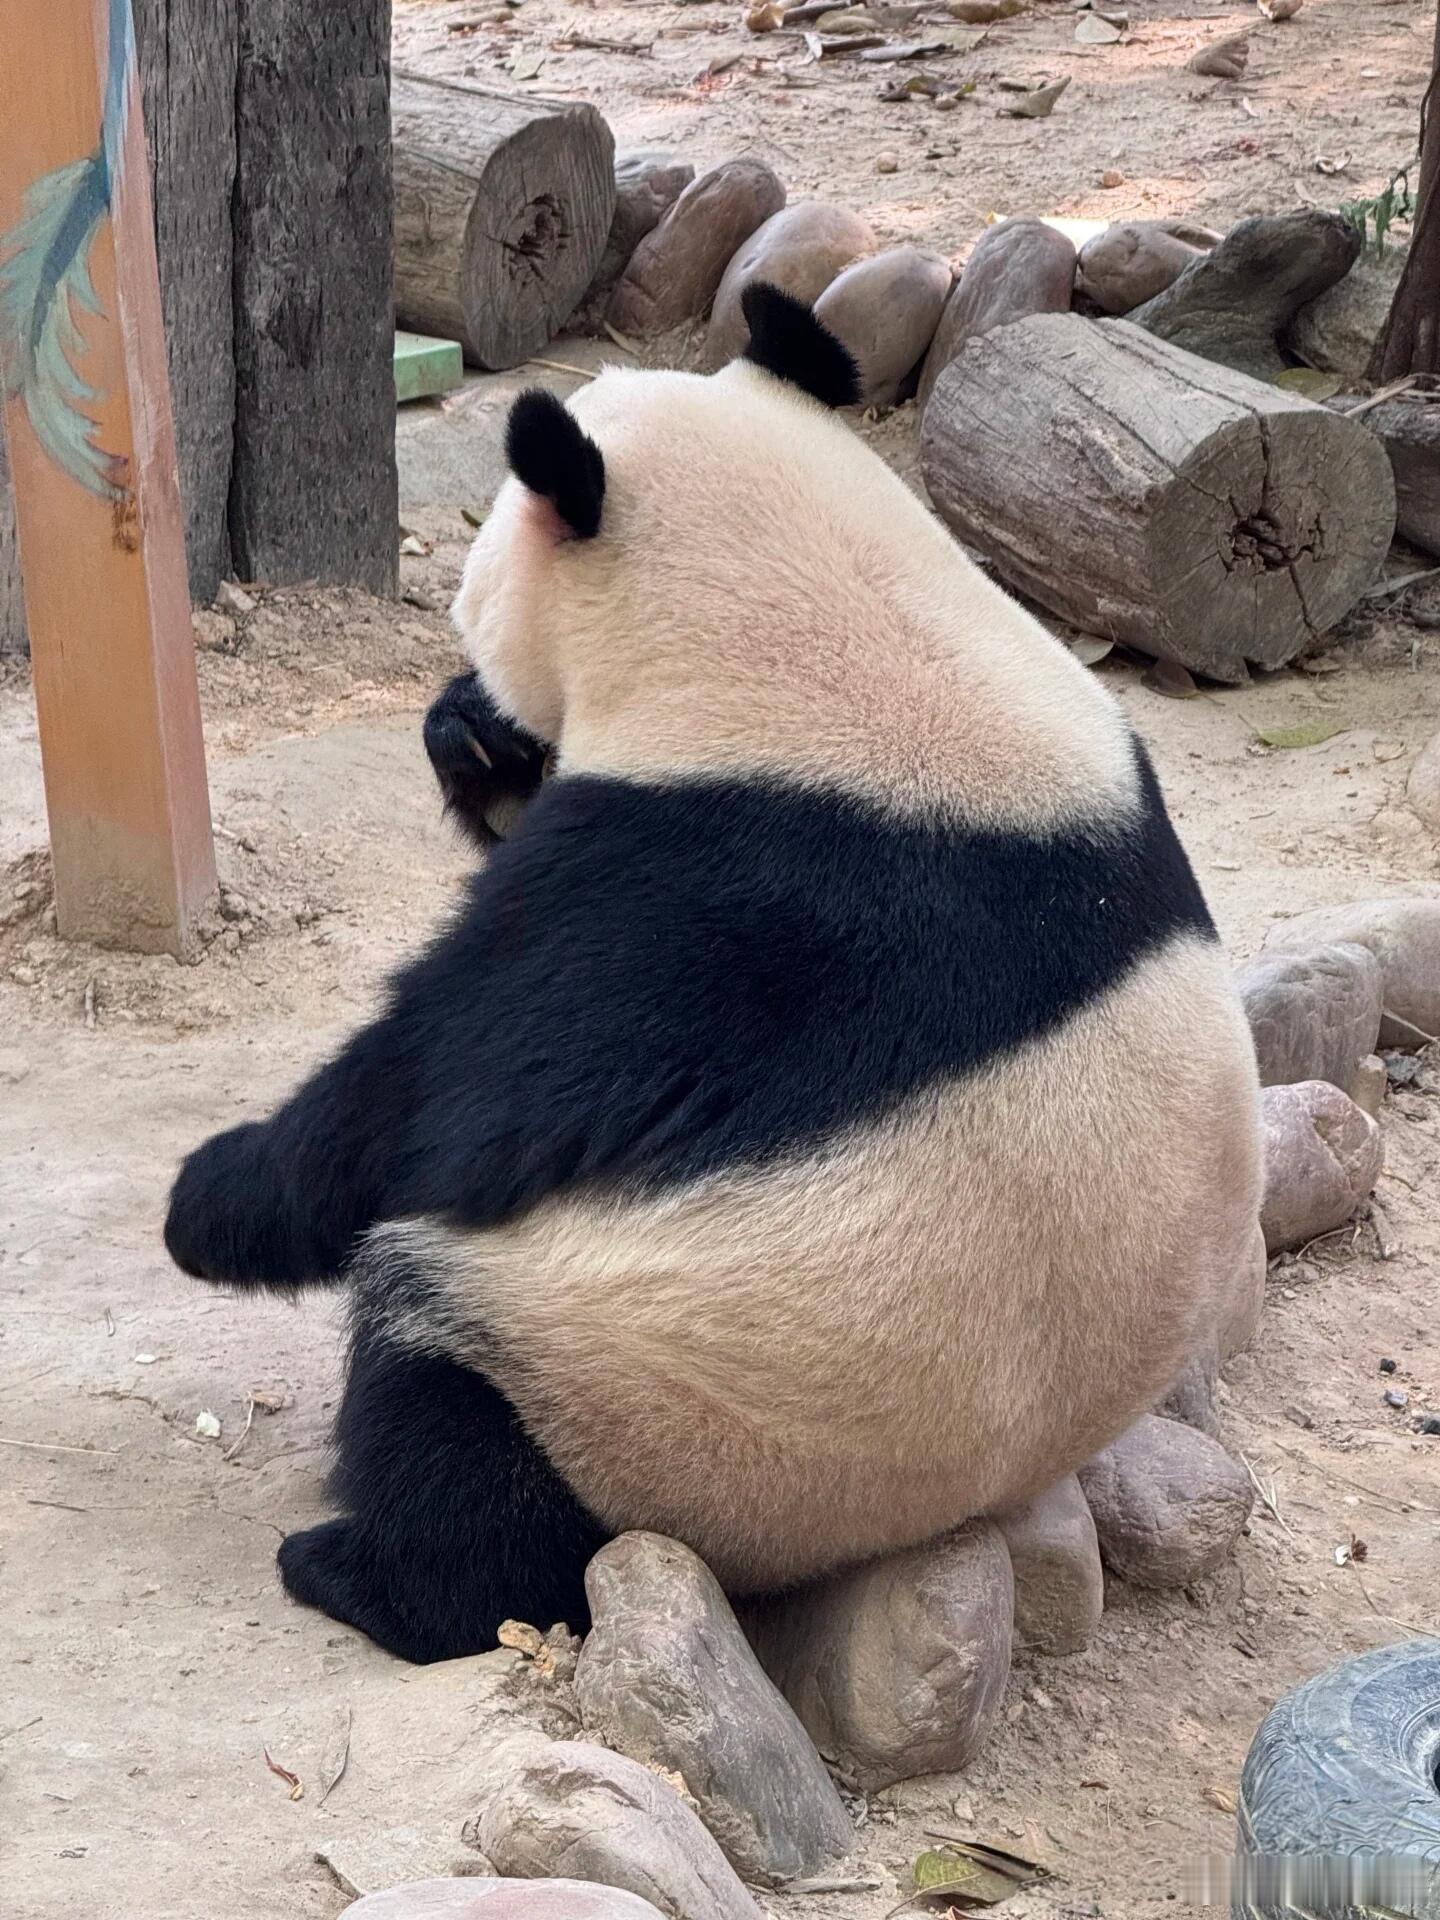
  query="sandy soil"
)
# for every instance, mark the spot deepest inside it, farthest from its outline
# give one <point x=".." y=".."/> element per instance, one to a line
<point x="150" y="1660"/>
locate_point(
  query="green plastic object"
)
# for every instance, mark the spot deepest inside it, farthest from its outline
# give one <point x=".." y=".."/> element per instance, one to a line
<point x="424" y="367"/>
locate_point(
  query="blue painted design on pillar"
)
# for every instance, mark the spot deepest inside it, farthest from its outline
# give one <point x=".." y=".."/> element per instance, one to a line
<point x="45" y="281"/>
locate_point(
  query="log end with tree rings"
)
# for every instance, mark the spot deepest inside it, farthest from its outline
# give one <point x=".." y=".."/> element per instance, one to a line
<point x="502" y="210"/>
<point x="1164" y="502"/>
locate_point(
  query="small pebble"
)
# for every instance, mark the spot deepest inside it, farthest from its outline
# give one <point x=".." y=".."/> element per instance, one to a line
<point x="1397" y="1397"/>
<point x="1430" y="1424"/>
<point x="1112" y="178"/>
<point x="1387" y="1366"/>
<point x="886" y="163"/>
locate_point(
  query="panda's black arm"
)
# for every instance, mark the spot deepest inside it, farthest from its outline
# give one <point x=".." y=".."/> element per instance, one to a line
<point x="278" y="1204"/>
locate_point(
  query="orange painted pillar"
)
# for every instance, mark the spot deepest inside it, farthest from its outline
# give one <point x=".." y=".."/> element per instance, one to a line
<point x="97" y="503"/>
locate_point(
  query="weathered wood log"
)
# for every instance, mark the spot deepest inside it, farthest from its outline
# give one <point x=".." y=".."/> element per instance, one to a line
<point x="188" y="58"/>
<point x="1408" y="428"/>
<point x="502" y="210"/>
<point x="1160" y="500"/>
<point x="313" y="490"/>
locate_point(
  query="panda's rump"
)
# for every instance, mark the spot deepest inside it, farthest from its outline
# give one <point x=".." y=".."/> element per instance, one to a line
<point x="805" y="1362"/>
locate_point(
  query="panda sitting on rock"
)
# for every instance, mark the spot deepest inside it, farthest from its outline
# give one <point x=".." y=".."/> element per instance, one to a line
<point x="829" y="1116"/>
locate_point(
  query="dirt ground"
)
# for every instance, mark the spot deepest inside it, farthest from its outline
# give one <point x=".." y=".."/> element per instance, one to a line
<point x="150" y="1661"/>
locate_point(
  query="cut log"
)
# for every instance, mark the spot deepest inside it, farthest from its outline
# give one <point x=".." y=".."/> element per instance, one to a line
<point x="1409" y="430"/>
<point x="502" y="211"/>
<point x="188" y="62"/>
<point x="1160" y="500"/>
<point x="313" y="495"/>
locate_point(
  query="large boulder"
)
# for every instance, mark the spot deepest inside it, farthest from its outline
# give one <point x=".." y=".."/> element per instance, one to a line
<point x="674" y="271"/>
<point x="1169" y="1503"/>
<point x="885" y="310"/>
<point x="668" y="1677"/>
<point x="1314" y="1013"/>
<point x="800" y="250"/>
<point x="1132" y="261"/>
<point x="897" y="1667"/>
<point x="1018" y="267"/>
<point x="1323" y="1156"/>
<point x="1337" y="332"/>
<point x="648" y="182"/>
<point x="478" y="1898"/>
<point x="1404" y="936"/>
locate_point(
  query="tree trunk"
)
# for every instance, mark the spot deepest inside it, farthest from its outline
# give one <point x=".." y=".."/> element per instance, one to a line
<point x="313" y="493"/>
<point x="1411" y="340"/>
<point x="1155" y="498"/>
<point x="12" y="600"/>
<point x="502" y="210"/>
<point x="188" y="52"/>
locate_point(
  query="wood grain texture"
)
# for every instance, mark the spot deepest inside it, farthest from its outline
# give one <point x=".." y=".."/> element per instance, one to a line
<point x="188" y="56"/>
<point x="1154" y="498"/>
<point x="502" y="211"/>
<point x="313" y="492"/>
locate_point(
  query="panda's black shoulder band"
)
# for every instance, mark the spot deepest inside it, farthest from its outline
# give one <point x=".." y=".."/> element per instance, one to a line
<point x="551" y="454"/>
<point x="788" y="341"/>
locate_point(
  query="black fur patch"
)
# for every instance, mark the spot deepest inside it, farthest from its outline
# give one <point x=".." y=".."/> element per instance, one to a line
<point x="454" y="1520"/>
<point x="788" y="341"/>
<point x="550" y="453"/>
<point x="479" y="756"/>
<point x="652" y="984"/>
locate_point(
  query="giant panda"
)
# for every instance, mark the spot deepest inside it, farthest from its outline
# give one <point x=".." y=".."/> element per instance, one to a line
<point x="829" y="1116"/>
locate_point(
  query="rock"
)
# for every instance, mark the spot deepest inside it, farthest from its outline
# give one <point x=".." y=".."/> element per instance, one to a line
<point x="1422" y="790"/>
<point x="1055" y="1556"/>
<point x="1322" y="1157"/>
<point x="1134" y="260"/>
<point x="1240" y="1322"/>
<point x="609" y="1820"/>
<point x="668" y="1677"/>
<point x="1404" y="936"/>
<point x="1337" y="332"/>
<point x="897" y="1668"/>
<point x="674" y="271"/>
<point x="1367" y="1087"/>
<point x="1168" y="1503"/>
<point x="1232" y="302"/>
<point x="1019" y="267"/>
<point x="800" y="250"/>
<point x="885" y="310"/>
<point x="1314" y="1013"/>
<point x="1191" y="1400"/>
<point x="648" y="182"/>
<point x="485" y="1899"/>
<point x="232" y="598"/>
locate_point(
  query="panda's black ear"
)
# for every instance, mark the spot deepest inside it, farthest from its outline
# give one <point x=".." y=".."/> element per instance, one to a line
<point x="550" y="454"/>
<point x="788" y="341"/>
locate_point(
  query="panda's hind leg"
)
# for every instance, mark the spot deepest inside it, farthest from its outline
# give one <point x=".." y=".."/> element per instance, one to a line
<point x="454" y="1518"/>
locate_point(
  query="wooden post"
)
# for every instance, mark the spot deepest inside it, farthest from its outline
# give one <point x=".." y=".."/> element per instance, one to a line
<point x="97" y="505"/>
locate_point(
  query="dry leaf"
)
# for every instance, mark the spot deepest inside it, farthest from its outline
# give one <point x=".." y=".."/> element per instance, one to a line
<point x="1093" y="30"/>
<point x="1314" y="733"/>
<point x="914" y="86"/>
<point x="521" y="1637"/>
<point x="1088" y="650"/>
<point x="1038" y="105"/>
<point x="292" y="1780"/>
<point x="1169" y="678"/>
<point x="267" y="1402"/>
<point x="207" y="1426"/>
<point x="1309" y="382"/>
<point x="765" y="17"/>
<point x="1220" y="1798"/>
<point x="336" y="1757"/>
<point x="525" y="63"/>
<point x="846" y="20"/>
<point x="1223" y="59"/>
<point x="903" y="50"/>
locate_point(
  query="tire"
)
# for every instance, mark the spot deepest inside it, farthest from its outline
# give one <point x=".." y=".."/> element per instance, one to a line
<point x="1347" y="1765"/>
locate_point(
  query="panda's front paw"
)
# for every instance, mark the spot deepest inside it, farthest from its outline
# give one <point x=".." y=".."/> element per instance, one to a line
<point x="216" y="1207"/>
<point x="486" y="767"/>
